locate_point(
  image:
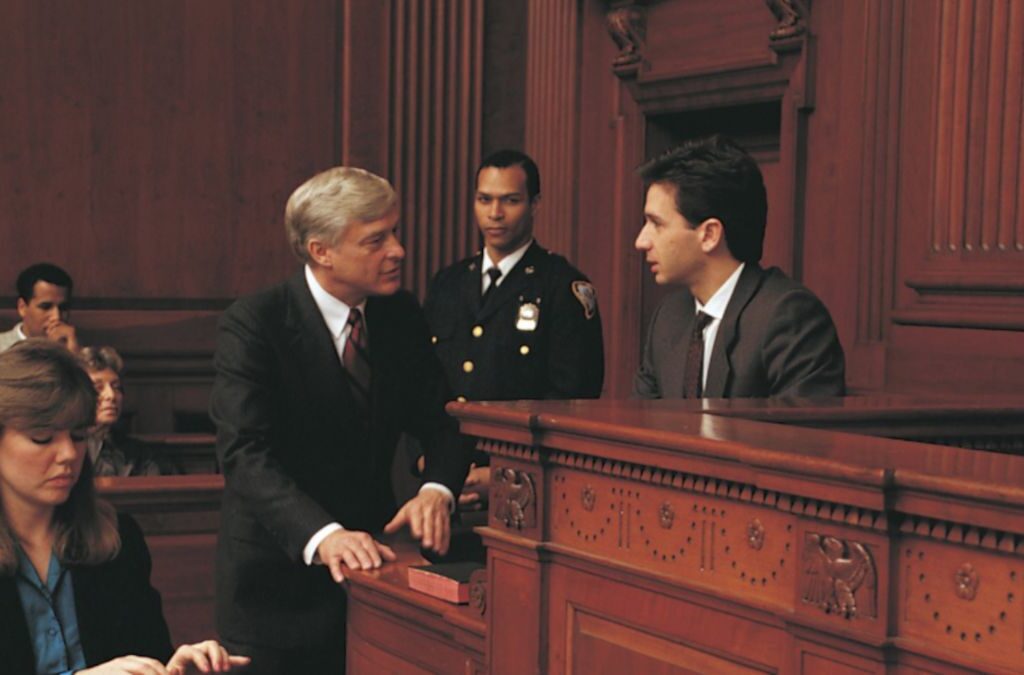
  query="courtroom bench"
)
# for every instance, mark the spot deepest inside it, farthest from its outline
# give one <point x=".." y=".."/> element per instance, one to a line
<point x="180" y="517"/>
<point x="188" y="453"/>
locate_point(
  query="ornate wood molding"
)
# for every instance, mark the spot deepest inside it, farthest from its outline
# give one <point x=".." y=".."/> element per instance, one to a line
<point x="478" y="591"/>
<point x="944" y="530"/>
<point x="792" y="16"/>
<point x="839" y="576"/>
<point x="515" y="498"/>
<point x="627" y="24"/>
<point x="517" y="451"/>
<point x="741" y="492"/>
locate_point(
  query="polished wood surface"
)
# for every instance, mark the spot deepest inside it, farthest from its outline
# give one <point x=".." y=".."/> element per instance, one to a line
<point x="392" y="628"/>
<point x="629" y="536"/>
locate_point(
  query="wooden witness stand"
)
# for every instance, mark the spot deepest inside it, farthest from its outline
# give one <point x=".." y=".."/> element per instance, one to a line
<point x="664" y="537"/>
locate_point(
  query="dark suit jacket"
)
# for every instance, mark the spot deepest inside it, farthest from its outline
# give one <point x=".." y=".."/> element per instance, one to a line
<point x="775" y="339"/>
<point x="118" y="611"/>
<point x="297" y="455"/>
<point x="561" y="357"/>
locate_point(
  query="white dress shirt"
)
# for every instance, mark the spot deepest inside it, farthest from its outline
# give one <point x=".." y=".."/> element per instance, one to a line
<point x="717" y="304"/>
<point x="505" y="265"/>
<point x="335" y="314"/>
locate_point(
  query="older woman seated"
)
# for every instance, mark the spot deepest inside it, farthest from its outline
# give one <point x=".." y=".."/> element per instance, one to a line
<point x="113" y="452"/>
<point x="74" y="577"/>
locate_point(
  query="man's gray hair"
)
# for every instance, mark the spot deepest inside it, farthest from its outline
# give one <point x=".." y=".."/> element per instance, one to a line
<point x="323" y="206"/>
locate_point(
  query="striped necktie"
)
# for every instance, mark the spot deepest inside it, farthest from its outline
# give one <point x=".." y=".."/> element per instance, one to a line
<point x="356" y="358"/>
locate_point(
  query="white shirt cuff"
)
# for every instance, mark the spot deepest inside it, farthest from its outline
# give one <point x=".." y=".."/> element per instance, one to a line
<point x="443" y="490"/>
<point x="309" y="553"/>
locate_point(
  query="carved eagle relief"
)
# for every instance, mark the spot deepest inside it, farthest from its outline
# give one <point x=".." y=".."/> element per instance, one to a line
<point x="839" y="577"/>
<point x="514" y="496"/>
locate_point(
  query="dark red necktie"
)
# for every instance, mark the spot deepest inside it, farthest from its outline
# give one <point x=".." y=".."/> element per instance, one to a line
<point x="356" y="358"/>
<point x="693" y="386"/>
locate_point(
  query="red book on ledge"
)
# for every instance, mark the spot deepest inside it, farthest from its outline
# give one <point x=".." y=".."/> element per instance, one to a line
<point x="447" y="581"/>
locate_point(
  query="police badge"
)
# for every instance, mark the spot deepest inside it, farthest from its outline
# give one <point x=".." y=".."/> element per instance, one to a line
<point x="529" y="314"/>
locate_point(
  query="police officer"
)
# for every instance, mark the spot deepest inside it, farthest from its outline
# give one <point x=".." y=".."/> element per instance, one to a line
<point x="514" y="321"/>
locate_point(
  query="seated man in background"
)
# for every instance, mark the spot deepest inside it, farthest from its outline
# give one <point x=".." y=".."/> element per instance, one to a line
<point x="112" y="451"/>
<point x="515" y="321"/>
<point x="44" y="304"/>
<point x="734" y="329"/>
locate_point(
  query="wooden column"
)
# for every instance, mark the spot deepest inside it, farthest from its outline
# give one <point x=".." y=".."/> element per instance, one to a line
<point x="552" y="113"/>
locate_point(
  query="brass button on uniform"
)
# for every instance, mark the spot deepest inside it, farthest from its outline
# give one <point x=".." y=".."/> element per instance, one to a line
<point x="460" y="399"/>
<point x="478" y="331"/>
<point x="433" y="339"/>
<point x="467" y="366"/>
<point x="524" y="350"/>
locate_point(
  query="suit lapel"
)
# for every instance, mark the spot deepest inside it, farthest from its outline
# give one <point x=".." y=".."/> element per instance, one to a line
<point x="313" y="348"/>
<point x="680" y="345"/>
<point x="511" y="286"/>
<point x="720" y="367"/>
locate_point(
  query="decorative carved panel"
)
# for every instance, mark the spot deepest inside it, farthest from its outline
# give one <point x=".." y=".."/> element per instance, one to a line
<point x="839" y="576"/>
<point x="514" y="498"/>
<point x="962" y="219"/>
<point x="685" y="535"/>
<point x="968" y="601"/>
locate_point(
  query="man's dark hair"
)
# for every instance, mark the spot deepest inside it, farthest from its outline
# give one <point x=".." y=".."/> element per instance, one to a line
<point x="502" y="159"/>
<point x="47" y="272"/>
<point x="715" y="178"/>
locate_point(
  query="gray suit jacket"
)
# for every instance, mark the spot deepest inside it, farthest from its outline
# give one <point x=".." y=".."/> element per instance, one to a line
<point x="776" y="339"/>
<point x="9" y="338"/>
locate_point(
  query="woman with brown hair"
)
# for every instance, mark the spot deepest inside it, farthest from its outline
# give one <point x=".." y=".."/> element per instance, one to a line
<point x="74" y="576"/>
<point x="111" y="451"/>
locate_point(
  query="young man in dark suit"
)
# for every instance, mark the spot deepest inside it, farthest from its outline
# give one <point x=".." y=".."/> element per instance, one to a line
<point x="734" y="329"/>
<point x="315" y="379"/>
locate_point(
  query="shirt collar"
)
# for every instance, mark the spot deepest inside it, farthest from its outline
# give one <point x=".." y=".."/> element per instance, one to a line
<point x="720" y="300"/>
<point x="21" y="331"/>
<point x="334" y="311"/>
<point x="507" y="263"/>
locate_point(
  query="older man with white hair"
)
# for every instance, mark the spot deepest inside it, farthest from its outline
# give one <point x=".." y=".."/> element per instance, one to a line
<point x="315" y="379"/>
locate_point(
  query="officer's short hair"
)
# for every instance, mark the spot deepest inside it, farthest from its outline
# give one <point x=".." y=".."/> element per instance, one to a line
<point x="323" y="206"/>
<point x="715" y="178"/>
<point x="48" y="272"/>
<point x="502" y="159"/>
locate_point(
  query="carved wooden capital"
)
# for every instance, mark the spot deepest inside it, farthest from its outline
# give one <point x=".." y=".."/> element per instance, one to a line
<point x="792" y="16"/>
<point x="839" y="576"/>
<point x="515" y="498"/>
<point x="627" y="24"/>
<point x="967" y="581"/>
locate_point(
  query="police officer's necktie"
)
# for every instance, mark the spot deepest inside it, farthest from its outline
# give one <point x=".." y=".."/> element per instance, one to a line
<point x="494" y="273"/>
<point x="693" y="386"/>
<point x="356" y="358"/>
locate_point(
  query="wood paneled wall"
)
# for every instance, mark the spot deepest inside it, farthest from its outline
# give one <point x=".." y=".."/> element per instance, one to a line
<point x="149" y="148"/>
<point x="896" y="191"/>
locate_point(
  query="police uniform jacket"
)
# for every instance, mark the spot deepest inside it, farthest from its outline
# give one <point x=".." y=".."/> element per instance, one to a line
<point x="537" y="336"/>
